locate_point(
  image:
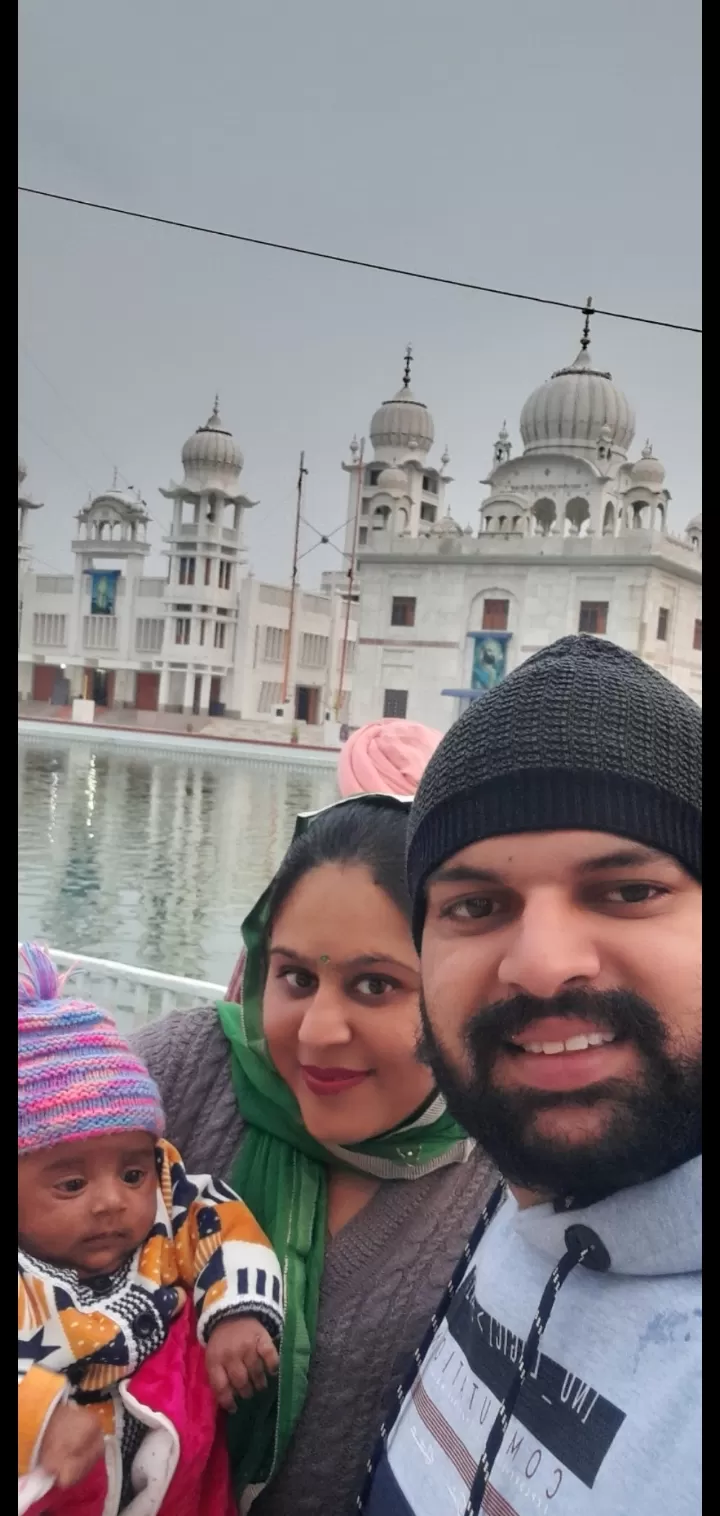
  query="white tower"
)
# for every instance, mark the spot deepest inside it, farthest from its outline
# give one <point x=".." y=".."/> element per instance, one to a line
<point x="109" y="549"/>
<point x="400" y="492"/>
<point x="574" y="477"/>
<point x="206" y="553"/>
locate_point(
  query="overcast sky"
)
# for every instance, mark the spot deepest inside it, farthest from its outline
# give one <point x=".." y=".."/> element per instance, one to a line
<point x="550" y="146"/>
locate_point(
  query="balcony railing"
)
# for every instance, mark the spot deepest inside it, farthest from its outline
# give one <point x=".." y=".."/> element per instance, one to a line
<point x="133" y="995"/>
<point x="100" y="633"/>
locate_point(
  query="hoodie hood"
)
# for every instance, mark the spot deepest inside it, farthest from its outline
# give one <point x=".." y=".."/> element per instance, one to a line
<point x="651" y="1229"/>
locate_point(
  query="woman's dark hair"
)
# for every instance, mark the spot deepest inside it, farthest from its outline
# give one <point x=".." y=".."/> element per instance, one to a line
<point x="359" y="832"/>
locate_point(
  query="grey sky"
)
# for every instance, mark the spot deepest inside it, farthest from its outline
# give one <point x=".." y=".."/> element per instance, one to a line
<point x="544" y="145"/>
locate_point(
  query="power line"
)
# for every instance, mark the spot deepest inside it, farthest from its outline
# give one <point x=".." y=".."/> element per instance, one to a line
<point x="94" y="441"/>
<point x="61" y="573"/>
<point x="52" y="449"/>
<point x="380" y="268"/>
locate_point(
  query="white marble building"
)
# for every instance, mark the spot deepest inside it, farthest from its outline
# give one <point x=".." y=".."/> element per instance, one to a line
<point x="207" y="638"/>
<point x="573" y="537"/>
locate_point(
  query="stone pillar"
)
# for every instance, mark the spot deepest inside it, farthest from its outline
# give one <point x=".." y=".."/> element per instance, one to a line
<point x="75" y="619"/>
<point x="189" y="692"/>
<point x="163" y="688"/>
<point x="205" y="693"/>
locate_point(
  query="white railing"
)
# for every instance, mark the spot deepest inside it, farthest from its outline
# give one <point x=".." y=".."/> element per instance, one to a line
<point x="133" y="995"/>
<point x="100" y="633"/>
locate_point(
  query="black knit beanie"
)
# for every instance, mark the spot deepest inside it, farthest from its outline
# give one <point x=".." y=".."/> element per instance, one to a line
<point x="582" y="736"/>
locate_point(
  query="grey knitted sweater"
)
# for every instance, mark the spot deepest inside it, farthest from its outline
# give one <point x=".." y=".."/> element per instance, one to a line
<point x="384" y="1271"/>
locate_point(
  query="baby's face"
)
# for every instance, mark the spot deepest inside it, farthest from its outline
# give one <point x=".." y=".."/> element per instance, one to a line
<point x="88" y="1205"/>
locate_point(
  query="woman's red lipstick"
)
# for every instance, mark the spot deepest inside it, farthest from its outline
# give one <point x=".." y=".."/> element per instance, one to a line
<point x="323" y="1081"/>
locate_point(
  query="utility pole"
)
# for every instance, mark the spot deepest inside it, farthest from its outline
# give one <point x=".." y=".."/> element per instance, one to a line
<point x="302" y="471"/>
<point x="351" y="578"/>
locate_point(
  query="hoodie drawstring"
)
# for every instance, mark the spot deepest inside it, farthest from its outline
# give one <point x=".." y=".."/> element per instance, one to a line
<point x="582" y="1247"/>
<point x="578" y="1249"/>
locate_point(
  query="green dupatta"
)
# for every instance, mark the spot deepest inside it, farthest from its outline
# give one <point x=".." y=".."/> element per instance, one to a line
<point x="281" y="1172"/>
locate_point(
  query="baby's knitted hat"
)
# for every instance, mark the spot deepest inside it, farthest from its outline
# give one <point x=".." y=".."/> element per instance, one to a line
<point x="77" y="1077"/>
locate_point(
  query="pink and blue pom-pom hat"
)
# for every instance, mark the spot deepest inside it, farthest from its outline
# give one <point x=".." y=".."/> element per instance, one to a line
<point x="77" y="1076"/>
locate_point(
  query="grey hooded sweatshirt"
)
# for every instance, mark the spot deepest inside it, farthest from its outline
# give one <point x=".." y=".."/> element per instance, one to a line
<point x="562" y="1374"/>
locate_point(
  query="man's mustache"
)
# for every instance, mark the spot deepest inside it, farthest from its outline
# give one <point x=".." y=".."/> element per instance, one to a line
<point x="624" y="1014"/>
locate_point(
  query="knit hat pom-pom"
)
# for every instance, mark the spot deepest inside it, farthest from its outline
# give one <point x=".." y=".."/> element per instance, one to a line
<point x="39" y="980"/>
<point x="78" y="1077"/>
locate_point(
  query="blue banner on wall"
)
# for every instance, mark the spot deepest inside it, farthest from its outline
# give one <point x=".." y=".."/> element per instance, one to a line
<point x="103" y="591"/>
<point x="489" y="662"/>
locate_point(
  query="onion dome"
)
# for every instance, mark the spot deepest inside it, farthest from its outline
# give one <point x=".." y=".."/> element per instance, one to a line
<point x="403" y="422"/>
<point x="648" y="471"/>
<point x="212" y="449"/>
<point x="573" y="408"/>
<point x="393" y="481"/>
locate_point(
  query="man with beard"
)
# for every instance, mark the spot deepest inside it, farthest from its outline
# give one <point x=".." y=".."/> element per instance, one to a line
<point x="555" y="864"/>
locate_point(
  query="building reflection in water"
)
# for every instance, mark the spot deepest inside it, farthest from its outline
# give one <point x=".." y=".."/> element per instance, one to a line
<point x="148" y="858"/>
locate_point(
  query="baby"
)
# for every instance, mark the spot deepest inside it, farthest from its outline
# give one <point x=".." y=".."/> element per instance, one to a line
<point x="113" y="1237"/>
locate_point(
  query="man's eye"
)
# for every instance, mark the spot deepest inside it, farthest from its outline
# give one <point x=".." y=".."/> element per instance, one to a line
<point x="633" y="894"/>
<point x="474" y="908"/>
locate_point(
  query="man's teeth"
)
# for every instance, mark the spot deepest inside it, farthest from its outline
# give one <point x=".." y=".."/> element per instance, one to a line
<point x="573" y="1044"/>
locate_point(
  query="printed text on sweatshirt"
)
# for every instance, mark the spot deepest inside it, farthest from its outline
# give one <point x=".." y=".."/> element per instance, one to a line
<point x="606" y="1419"/>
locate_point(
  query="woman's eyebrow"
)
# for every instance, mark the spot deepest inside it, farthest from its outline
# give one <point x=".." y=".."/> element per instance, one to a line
<point x="364" y="961"/>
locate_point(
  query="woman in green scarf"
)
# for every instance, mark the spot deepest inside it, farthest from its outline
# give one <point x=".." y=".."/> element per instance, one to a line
<point x="309" y="1098"/>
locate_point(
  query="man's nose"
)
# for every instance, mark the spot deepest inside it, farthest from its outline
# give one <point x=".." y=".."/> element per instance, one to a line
<point x="551" y="949"/>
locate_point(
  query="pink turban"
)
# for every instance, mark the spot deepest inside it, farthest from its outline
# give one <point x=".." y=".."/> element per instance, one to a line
<point x="386" y="757"/>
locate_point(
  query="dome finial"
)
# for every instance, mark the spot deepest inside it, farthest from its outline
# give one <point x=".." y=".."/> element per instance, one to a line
<point x="587" y="311"/>
<point x="647" y="451"/>
<point x="216" y="407"/>
<point x="408" y="364"/>
<point x="115" y="477"/>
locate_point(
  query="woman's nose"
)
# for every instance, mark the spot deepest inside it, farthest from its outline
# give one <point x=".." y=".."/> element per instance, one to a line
<point x="324" y="1023"/>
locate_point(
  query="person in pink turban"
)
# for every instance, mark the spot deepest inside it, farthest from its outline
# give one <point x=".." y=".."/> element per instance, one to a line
<point x="385" y="757"/>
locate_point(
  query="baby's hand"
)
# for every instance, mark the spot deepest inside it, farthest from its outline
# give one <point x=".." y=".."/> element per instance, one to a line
<point x="239" y="1354"/>
<point x="72" y="1445"/>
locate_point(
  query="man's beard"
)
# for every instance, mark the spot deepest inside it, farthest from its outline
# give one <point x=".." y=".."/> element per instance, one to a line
<point x="653" y="1124"/>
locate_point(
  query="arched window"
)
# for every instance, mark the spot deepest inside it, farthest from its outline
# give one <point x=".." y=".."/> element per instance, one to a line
<point x="608" y="525"/>
<point x="544" y="514"/>
<point x="577" y="514"/>
<point x="640" y="511"/>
